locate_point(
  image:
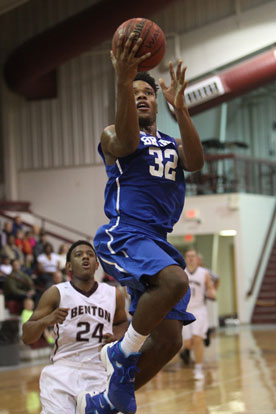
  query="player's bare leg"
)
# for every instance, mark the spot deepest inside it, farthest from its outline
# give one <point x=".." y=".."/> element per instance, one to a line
<point x="160" y="347"/>
<point x="121" y="358"/>
<point x="164" y="292"/>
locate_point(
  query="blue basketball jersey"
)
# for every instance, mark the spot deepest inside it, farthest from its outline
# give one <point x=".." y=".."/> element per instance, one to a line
<point x="147" y="186"/>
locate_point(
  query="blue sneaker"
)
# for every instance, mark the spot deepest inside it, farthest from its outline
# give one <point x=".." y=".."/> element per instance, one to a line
<point x="121" y="371"/>
<point x="88" y="403"/>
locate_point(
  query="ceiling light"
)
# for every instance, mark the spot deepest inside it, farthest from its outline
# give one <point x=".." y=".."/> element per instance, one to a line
<point x="228" y="233"/>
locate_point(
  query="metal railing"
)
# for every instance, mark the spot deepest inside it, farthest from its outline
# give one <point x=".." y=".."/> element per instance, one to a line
<point x="229" y="173"/>
<point x="47" y="225"/>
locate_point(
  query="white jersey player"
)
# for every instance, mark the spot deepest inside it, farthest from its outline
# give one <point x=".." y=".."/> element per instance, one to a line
<point x="84" y="314"/>
<point x="193" y="335"/>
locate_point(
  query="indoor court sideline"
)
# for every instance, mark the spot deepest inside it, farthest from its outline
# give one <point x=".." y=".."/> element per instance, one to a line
<point x="240" y="378"/>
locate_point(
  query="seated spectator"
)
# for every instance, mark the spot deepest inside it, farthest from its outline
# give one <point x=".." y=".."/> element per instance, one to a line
<point x="27" y="248"/>
<point x="18" y="285"/>
<point x="17" y="225"/>
<point x="58" y="277"/>
<point x="7" y="230"/>
<point x="5" y="265"/>
<point x="11" y="250"/>
<point x="18" y="241"/>
<point x="39" y="246"/>
<point x="33" y="235"/>
<point x="47" y="264"/>
<point x="5" y="269"/>
<point x="63" y="249"/>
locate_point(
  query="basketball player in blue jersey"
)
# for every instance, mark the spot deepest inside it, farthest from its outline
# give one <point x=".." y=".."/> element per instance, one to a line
<point x="144" y="198"/>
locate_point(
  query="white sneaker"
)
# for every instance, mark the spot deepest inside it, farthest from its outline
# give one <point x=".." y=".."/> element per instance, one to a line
<point x="198" y="374"/>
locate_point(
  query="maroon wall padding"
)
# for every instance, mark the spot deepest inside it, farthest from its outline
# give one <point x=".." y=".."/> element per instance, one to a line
<point x="242" y="78"/>
<point x="29" y="70"/>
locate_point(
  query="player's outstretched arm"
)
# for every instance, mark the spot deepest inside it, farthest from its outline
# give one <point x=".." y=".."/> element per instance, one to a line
<point x="46" y="314"/>
<point x="190" y="148"/>
<point x="127" y="135"/>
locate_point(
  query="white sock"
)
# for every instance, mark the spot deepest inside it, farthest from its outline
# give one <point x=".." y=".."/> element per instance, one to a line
<point x="132" y="341"/>
<point x="198" y="367"/>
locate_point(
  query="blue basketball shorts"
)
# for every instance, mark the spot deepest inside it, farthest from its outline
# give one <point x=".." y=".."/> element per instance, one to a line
<point x="127" y="253"/>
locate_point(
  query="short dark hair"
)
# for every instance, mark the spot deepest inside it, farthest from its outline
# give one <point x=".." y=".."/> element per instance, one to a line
<point x="77" y="243"/>
<point x="146" y="77"/>
<point x="46" y="245"/>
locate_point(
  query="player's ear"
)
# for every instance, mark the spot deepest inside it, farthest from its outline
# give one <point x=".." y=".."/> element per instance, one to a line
<point x="68" y="266"/>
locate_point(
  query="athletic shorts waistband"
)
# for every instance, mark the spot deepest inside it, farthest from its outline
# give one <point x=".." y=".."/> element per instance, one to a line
<point x="147" y="228"/>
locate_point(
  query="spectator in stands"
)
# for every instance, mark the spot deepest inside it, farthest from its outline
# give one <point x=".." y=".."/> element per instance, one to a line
<point x="18" y="285"/>
<point x="27" y="249"/>
<point x="31" y="237"/>
<point x="58" y="277"/>
<point x="63" y="250"/>
<point x="39" y="246"/>
<point x="47" y="264"/>
<point x="5" y="269"/>
<point x="36" y="233"/>
<point x="17" y="225"/>
<point x="19" y="239"/>
<point x="5" y="265"/>
<point x="11" y="250"/>
<point x="7" y="230"/>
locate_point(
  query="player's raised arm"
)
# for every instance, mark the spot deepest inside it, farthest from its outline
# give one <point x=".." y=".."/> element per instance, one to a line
<point x="190" y="148"/>
<point x="124" y="138"/>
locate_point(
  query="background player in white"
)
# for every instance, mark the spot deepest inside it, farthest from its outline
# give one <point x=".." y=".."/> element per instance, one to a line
<point x="144" y="198"/>
<point x="201" y="285"/>
<point x="84" y="314"/>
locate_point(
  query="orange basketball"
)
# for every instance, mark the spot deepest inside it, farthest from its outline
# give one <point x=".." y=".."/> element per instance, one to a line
<point x="153" y="40"/>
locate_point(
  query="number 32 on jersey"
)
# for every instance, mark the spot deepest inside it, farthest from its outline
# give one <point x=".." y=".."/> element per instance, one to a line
<point x="165" y="163"/>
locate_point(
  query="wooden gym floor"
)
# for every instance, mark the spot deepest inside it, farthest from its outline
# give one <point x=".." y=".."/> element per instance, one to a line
<point x="240" y="378"/>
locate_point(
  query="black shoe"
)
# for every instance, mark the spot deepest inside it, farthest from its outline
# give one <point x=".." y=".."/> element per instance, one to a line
<point x="185" y="356"/>
<point x="207" y="340"/>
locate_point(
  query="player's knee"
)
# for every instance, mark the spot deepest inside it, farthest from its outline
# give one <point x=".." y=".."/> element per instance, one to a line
<point x="170" y="346"/>
<point x="176" y="281"/>
<point x="197" y="339"/>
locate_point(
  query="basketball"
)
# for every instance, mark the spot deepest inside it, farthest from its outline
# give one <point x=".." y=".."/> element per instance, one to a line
<point x="153" y="40"/>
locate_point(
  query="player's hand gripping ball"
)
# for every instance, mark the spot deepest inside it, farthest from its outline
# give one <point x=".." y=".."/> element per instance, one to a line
<point x="154" y="40"/>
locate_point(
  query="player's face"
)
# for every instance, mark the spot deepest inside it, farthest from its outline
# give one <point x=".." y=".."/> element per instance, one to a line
<point x="146" y="103"/>
<point x="191" y="259"/>
<point x="83" y="262"/>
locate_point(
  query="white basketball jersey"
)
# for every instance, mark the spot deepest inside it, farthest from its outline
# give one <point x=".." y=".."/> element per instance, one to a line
<point x="197" y="286"/>
<point x="80" y="336"/>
